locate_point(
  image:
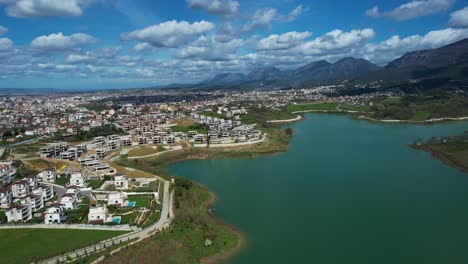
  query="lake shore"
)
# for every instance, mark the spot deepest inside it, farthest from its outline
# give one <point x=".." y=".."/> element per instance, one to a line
<point x="241" y="239"/>
<point x="442" y="156"/>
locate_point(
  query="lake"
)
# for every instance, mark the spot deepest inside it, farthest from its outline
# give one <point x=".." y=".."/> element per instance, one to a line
<point x="346" y="191"/>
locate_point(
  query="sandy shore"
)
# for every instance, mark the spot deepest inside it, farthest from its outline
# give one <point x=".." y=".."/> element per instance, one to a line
<point x="218" y="258"/>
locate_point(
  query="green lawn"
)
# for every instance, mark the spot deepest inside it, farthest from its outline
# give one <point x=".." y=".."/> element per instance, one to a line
<point x="184" y="129"/>
<point x="95" y="184"/>
<point x="325" y="106"/>
<point x="262" y="115"/>
<point x="28" y="245"/>
<point x="62" y="181"/>
<point x="141" y="200"/>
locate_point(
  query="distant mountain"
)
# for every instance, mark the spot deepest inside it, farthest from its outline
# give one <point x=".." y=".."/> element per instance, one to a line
<point x="323" y="72"/>
<point x="443" y="64"/>
<point x="227" y="78"/>
<point x="447" y="62"/>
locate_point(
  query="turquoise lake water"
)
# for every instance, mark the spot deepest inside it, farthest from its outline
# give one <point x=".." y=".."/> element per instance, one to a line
<point x="346" y="191"/>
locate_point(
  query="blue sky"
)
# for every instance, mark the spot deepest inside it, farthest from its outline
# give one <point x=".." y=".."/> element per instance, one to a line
<point x="124" y="43"/>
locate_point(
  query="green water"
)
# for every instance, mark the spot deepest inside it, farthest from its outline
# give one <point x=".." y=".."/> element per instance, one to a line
<point x="346" y="191"/>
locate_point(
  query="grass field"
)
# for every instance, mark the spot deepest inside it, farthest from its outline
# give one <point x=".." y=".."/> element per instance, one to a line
<point x="319" y="106"/>
<point x="452" y="153"/>
<point x="142" y="151"/>
<point x="28" y="245"/>
<point x="141" y="200"/>
<point x="261" y="116"/>
<point x="419" y="108"/>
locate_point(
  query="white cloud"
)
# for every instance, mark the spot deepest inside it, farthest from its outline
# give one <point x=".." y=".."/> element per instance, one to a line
<point x="459" y="18"/>
<point x="35" y="8"/>
<point x="294" y="13"/>
<point x="59" y="42"/>
<point x="283" y="41"/>
<point x="80" y="58"/>
<point x="3" y="30"/>
<point x="5" y="44"/>
<point x="413" y="9"/>
<point x="208" y="49"/>
<point x="170" y="34"/>
<point x="337" y="41"/>
<point x="223" y="7"/>
<point x="395" y="46"/>
<point x="261" y="19"/>
<point x="142" y="46"/>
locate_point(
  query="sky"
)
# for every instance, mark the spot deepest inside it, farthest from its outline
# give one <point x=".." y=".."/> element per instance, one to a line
<point x="94" y="44"/>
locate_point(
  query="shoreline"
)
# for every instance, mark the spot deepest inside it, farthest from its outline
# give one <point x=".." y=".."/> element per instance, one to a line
<point x="428" y="121"/>
<point x="439" y="155"/>
<point x="241" y="238"/>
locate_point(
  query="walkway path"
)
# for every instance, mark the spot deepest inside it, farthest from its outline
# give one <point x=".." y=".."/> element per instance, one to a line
<point x="299" y="117"/>
<point x="163" y="223"/>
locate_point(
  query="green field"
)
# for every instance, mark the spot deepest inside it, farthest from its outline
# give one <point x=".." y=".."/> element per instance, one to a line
<point x="262" y="115"/>
<point x="452" y="153"/>
<point x="419" y="108"/>
<point x="29" y="245"/>
<point x="141" y="200"/>
<point x="184" y="129"/>
<point x="324" y="106"/>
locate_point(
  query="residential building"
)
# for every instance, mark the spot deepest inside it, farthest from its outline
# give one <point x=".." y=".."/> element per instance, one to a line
<point x="78" y="179"/>
<point x="34" y="201"/>
<point x="18" y="213"/>
<point x="48" y="175"/>
<point x="117" y="198"/>
<point x="68" y="201"/>
<point x="121" y="182"/>
<point x="20" y="189"/>
<point x="98" y="213"/>
<point x="6" y="197"/>
<point x="32" y="181"/>
<point x="7" y="173"/>
<point x="55" y="214"/>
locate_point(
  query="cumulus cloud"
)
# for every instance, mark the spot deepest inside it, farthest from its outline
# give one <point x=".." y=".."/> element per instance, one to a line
<point x="60" y="42"/>
<point x="261" y="19"/>
<point x="3" y="30"/>
<point x="413" y="9"/>
<point x="208" y="49"/>
<point x="337" y="41"/>
<point x="170" y="34"/>
<point x="396" y="46"/>
<point x="283" y="41"/>
<point x="5" y="44"/>
<point x="142" y="46"/>
<point x="35" y="8"/>
<point x="80" y="58"/>
<point x="459" y="18"/>
<point x="222" y="7"/>
<point x="46" y="8"/>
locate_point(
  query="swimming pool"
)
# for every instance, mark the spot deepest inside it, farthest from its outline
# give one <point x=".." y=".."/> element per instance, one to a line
<point x="116" y="219"/>
<point x="132" y="204"/>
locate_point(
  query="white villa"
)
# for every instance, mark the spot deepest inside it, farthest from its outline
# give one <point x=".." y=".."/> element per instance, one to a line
<point x="47" y="176"/>
<point x="34" y="201"/>
<point x="117" y="198"/>
<point x="18" y="213"/>
<point x="121" y="182"/>
<point x="6" y="196"/>
<point x="98" y="214"/>
<point x="20" y="189"/>
<point x="7" y="173"/>
<point x="78" y="179"/>
<point x="55" y="214"/>
<point x="68" y="201"/>
<point x="32" y="181"/>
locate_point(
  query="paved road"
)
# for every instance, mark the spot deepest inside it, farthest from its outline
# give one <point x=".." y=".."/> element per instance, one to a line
<point x="164" y="222"/>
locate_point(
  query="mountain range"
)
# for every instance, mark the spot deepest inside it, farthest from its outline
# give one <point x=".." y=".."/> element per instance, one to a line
<point x="448" y="63"/>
